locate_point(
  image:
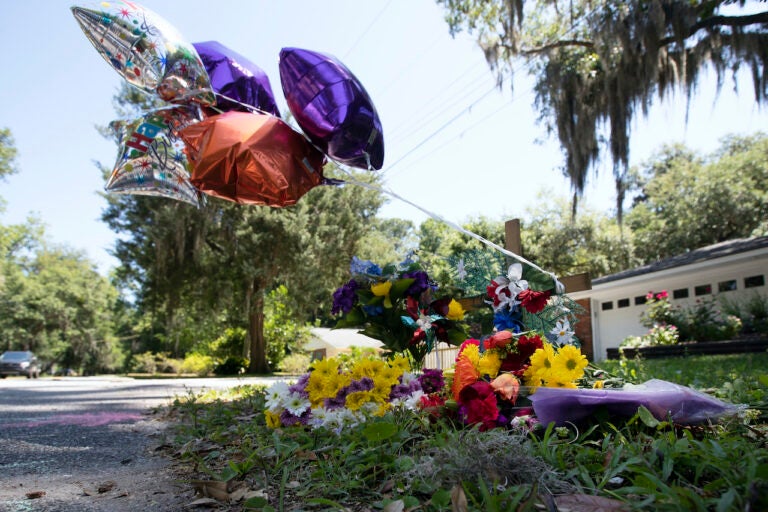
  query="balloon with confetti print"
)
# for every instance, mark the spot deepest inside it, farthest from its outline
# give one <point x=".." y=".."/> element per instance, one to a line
<point x="332" y="107"/>
<point x="151" y="160"/>
<point x="146" y="50"/>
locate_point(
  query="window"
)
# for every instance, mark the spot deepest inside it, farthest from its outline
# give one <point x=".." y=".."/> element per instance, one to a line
<point x="703" y="289"/>
<point x="680" y="293"/>
<point x="607" y="305"/>
<point x="726" y="286"/>
<point x="623" y="303"/>
<point x="754" y="281"/>
<point x="639" y="300"/>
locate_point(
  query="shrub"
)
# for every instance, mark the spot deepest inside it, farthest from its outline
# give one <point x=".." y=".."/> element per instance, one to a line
<point x="232" y="366"/>
<point x="704" y="322"/>
<point x="751" y="311"/>
<point x="295" y="364"/>
<point x="657" y="335"/>
<point x="144" y="363"/>
<point x="199" y="364"/>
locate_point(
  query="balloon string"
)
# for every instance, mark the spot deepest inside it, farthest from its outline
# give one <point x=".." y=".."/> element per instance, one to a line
<point x="350" y="179"/>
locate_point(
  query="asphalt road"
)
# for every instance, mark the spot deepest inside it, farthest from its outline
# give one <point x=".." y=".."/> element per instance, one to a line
<point x="85" y="444"/>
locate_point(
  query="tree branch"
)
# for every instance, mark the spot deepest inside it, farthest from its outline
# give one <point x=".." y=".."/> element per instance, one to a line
<point x="717" y="21"/>
<point x="558" y="44"/>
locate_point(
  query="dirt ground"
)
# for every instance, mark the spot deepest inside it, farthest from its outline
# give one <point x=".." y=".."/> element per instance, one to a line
<point x="132" y="475"/>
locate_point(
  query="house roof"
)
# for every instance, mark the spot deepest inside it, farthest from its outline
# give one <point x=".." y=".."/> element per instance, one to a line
<point x="340" y="339"/>
<point x="709" y="252"/>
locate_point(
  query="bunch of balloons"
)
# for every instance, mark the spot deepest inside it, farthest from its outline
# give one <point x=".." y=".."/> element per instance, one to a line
<point x="220" y="133"/>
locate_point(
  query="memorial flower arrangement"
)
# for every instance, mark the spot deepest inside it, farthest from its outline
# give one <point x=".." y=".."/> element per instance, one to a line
<point x="333" y="397"/>
<point x="400" y="306"/>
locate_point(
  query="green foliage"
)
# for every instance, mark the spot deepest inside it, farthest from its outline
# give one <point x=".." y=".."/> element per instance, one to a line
<point x="558" y="241"/>
<point x="752" y="311"/>
<point x="233" y="365"/>
<point x="7" y="153"/>
<point x="295" y="364"/>
<point x="199" y="364"/>
<point x="56" y="304"/>
<point x="407" y="460"/>
<point x="284" y="335"/>
<point x="597" y="63"/>
<point x="686" y="202"/>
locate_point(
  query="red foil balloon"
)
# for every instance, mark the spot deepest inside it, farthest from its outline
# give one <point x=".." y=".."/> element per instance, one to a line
<point x="251" y="159"/>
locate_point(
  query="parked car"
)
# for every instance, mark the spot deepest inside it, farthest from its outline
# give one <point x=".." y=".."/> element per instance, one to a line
<point x="19" y="363"/>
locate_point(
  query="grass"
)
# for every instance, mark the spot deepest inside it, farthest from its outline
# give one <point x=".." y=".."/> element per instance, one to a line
<point x="405" y="461"/>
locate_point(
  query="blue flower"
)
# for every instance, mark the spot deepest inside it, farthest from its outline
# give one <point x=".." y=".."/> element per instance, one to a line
<point x="505" y="319"/>
<point x="359" y="266"/>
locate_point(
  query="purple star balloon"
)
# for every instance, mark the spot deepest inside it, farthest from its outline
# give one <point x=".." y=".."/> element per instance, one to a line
<point x="237" y="82"/>
<point x="332" y="108"/>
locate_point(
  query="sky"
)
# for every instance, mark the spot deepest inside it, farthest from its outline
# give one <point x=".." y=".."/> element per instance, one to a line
<point x="456" y="145"/>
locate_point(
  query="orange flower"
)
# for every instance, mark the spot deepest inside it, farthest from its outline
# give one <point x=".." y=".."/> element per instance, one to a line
<point x="507" y="386"/>
<point x="464" y="375"/>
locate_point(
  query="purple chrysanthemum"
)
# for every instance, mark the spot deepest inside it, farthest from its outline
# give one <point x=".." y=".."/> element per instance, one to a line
<point x="345" y="298"/>
<point x="301" y="386"/>
<point x="431" y="380"/>
<point x="420" y="283"/>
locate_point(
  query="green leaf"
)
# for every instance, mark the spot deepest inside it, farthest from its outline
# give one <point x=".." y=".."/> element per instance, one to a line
<point x="399" y="288"/>
<point x="441" y="498"/>
<point x="647" y="418"/>
<point x="379" y="431"/>
<point x="763" y="379"/>
<point x="538" y="280"/>
<point x="255" y="503"/>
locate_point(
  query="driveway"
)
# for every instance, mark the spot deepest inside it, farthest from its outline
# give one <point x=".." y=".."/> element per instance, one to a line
<point x="85" y="444"/>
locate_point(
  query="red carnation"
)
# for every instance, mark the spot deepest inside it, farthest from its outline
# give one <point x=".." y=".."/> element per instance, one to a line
<point x="533" y="301"/>
<point x="478" y="405"/>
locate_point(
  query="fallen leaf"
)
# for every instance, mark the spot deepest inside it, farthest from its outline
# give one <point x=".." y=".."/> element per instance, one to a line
<point x="458" y="499"/>
<point x="33" y="495"/>
<point x="293" y="484"/>
<point x="106" y="487"/>
<point x="212" y="489"/>
<point x="261" y="493"/>
<point x="202" y="501"/>
<point x="589" y="503"/>
<point x="394" y="506"/>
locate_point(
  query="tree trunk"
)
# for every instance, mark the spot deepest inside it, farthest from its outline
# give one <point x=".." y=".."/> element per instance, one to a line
<point x="258" y="360"/>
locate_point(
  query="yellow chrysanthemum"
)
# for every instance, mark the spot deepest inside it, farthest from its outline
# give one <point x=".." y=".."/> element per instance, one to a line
<point x="389" y="374"/>
<point x="541" y="360"/>
<point x="272" y="419"/>
<point x="382" y="290"/>
<point x="384" y="407"/>
<point x="364" y="368"/>
<point x="598" y="384"/>
<point x="455" y="311"/>
<point x="324" y="367"/>
<point x="555" y="382"/>
<point x="317" y="391"/>
<point x="381" y="390"/>
<point x="533" y="378"/>
<point x="401" y="363"/>
<point x="471" y="352"/>
<point x="570" y="361"/>
<point x="489" y="363"/>
<point x="357" y="399"/>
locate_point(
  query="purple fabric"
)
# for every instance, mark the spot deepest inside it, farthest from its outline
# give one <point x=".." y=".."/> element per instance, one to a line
<point x="663" y="399"/>
<point x="332" y="107"/>
<point x="235" y="77"/>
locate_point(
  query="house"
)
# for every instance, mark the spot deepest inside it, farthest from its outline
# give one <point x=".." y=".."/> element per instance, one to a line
<point x="327" y="342"/>
<point x="733" y="269"/>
